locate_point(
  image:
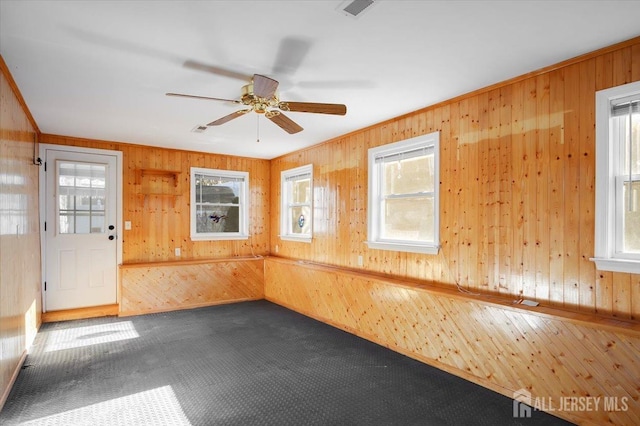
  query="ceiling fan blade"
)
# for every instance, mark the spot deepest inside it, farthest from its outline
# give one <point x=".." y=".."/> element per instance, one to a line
<point x="291" y="53"/>
<point x="335" y="109"/>
<point x="202" y="97"/>
<point x="216" y="70"/>
<point x="264" y="87"/>
<point x="229" y="117"/>
<point x="287" y="124"/>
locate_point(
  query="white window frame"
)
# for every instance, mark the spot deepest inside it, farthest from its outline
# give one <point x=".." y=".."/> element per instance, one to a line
<point x="286" y="177"/>
<point x="608" y="210"/>
<point x="243" y="218"/>
<point x="374" y="221"/>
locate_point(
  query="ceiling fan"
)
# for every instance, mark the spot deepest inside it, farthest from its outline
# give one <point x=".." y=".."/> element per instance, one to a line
<point x="261" y="96"/>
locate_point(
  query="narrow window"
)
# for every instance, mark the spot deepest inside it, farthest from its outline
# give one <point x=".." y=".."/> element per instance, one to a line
<point x="404" y="195"/>
<point x="296" y="216"/>
<point x="617" y="239"/>
<point x="219" y="209"/>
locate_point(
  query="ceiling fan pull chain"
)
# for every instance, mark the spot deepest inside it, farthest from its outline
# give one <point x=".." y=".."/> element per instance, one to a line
<point x="258" y="127"/>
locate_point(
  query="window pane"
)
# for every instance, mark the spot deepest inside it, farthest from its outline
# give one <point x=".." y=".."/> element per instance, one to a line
<point x="301" y="191"/>
<point x="630" y="147"/>
<point x="299" y="220"/>
<point x="217" y="218"/>
<point x="81" y="197"/>
<point x="631" y="237"/>
<point x="409" y="176"/>
<point x="83" y="222"/>
<point x="410" y="219"/>
<point x="218" y="206"/>
<point x="67" y="223"/>
<point x="216" y="189"/>
<point x="296" y="217"/>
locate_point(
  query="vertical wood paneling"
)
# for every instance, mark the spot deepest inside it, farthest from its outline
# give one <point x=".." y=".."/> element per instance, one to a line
<point x="454" y="214"/>
<point x="542" y="207"/>
<point x="484" y="185"/>
<point x="517" y="190"/>
<point x="20" y="294"/>
<point x="160" y="223"/>
<point x="493" y="187"/>
<point x="586" y="184"/>
<point x="465" y="198"/>
<point x="556" y="188"/>
<point x="505" y="195"/>
<point x="529" y="200"/>
<point x="446" y="197"/>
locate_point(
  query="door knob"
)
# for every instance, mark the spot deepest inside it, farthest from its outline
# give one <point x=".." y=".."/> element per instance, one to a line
<point x="111" y="227"/>
<point x="111" y="237"/>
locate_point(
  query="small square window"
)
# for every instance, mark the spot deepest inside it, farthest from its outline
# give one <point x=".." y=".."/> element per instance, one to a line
<point x="404" y="195"/>
<point x="219" y="208"/>
<point x="297" y="208"/>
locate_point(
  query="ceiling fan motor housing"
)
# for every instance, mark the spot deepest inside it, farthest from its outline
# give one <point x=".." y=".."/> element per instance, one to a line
<point x="259" y="105"/>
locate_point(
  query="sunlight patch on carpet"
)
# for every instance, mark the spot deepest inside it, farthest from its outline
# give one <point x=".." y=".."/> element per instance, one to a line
<point x="77" y="337"/>
<point x="158" y="406"/>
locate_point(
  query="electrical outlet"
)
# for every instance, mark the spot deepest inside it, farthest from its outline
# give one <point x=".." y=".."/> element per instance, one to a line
<point x="127" y="225"/>
<point x="360" y="261"/>
<point x="177" y="251"/>
<point x="277" y="248"/>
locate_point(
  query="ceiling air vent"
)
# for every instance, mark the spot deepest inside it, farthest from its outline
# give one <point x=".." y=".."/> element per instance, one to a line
<point x="355" y="8"/>
<point x="199" y="129"/>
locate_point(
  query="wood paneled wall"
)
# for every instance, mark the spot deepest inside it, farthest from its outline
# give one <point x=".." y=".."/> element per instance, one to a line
<point x="517" y="190"/>
<point x="20" y="295"/>
<point x="552" y="354"/>
<point x="160" y="223"/>
<point x="153" y="287"/>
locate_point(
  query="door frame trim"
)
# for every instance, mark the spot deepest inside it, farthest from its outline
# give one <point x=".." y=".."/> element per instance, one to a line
<point x="43" y="214"/>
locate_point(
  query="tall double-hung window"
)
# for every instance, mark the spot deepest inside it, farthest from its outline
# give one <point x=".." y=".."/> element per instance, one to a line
<point x="403" y="212"/>
<point x="297" y="210"/>
<point x="617" y="239"/>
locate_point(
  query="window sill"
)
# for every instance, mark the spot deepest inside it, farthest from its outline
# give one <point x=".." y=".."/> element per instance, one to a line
<point x="298" y="239"/>
<point x="411" y="248"/>
<point x="218" y="237"/>
<point x="617" y="265"/>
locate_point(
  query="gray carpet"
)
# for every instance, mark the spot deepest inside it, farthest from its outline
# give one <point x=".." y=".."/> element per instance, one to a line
<point x="251" y="363"/>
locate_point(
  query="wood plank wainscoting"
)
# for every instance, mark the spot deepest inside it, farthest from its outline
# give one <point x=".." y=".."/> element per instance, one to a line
<point x="167" y="286"/>
<point x="551" y="353"/>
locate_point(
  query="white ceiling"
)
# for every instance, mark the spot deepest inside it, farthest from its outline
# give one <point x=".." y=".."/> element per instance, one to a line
<point x="100" y="69"/>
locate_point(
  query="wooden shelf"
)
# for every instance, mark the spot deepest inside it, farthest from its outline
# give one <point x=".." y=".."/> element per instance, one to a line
<point x="146" y="188"/>
<point x="141" y="173"/>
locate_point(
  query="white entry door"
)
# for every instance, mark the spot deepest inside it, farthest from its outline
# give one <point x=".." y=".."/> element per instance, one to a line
<point x="80" y="229"/>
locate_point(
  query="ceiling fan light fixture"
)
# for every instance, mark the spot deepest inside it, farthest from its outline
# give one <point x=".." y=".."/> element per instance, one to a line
<point x="260" y="107"/>
<point x="261" y="97"/>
